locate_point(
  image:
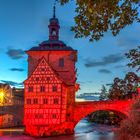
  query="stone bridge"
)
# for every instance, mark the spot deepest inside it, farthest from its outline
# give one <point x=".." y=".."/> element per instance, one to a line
<point x="82" y="109"/>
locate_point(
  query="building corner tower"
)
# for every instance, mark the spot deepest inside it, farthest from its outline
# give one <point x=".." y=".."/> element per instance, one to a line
<point x="51" y="86"/>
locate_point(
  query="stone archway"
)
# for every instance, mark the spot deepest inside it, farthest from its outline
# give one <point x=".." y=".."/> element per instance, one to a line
<point x="118" y="113"/>
<point x="85" y="108"/>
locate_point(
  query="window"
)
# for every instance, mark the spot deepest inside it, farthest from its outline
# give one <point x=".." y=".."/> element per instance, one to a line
<point x="54" y="116"/>
<point x="30" y="89"/>
<point x="45" y="101"/>
<point x="61" y="62"/>
<point x="42" y="69"/>
<point x="42" y="79"/>
<point x="35" y="101"/>
<point x="37" y="78"/>
<point x="53" y="32"/>
<point x="28" y="101"/>
<point x="38" y="116"/>
<point x="54" y="88"/>
<point x="68" y="114"/>
<point x="48" y="78"/>
<point x="42" y="89"/>
<point x="55" y="101"/>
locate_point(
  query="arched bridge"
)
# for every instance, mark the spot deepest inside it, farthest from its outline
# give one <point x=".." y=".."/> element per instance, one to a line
<point x="82" y="109"/>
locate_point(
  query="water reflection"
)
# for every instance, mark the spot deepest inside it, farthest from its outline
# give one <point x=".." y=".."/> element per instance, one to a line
<point x="83" y="131"/>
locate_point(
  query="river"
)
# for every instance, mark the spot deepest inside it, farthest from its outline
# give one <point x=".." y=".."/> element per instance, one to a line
<point x="83" y="131"/>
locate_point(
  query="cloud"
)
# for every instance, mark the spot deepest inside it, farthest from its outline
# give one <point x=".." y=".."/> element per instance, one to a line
<point x="119" y="66"/>
<point x="84" y="82"/>
<point x="12" y="83"/>
<point x="105" y="71"/>
<point x="127" y="42"/>
<point x="109" y="84"/>
<point x="16" y="69"/>
<point x="15" y="53"/>
<point x="107" y="60"/>
<point x="81" y="82"/>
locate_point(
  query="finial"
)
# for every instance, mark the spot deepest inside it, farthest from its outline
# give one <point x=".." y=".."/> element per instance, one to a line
<point x="54" y="11"/>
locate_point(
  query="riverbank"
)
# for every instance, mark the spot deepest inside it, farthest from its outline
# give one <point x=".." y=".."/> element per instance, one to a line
<point x="83" y="131"/>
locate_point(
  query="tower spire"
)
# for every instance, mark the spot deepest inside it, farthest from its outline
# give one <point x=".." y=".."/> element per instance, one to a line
<point x="54" y="26"/>
<point x="54" y="11"/>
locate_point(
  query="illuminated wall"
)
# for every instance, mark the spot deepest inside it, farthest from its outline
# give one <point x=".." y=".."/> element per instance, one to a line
<point x="48" y="100"/>
<point x="49" y="96"/>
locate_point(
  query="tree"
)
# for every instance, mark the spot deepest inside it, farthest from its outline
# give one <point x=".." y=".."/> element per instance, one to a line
<point x="132" y="82"/>
<point x="134" y="56"/>
<point x="122" y="88"/>
<point x="95" y="17"/>
<point x="130" y="127"/>
<point x="116" y="91"/>
<point x="103" y="94"/>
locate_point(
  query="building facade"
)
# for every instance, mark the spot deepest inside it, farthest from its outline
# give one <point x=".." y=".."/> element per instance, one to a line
<point x="50" y="88"/>
<point x="9" y="98"/>
<point x="6" y="95"/>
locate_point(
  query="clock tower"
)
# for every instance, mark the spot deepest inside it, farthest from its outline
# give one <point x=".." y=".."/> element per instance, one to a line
<point x="51" y="86"/>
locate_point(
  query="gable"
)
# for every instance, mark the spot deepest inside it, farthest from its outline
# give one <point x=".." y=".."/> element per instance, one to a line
<point x="43" y="74"/>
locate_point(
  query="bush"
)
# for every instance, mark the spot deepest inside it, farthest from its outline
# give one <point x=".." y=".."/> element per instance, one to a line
<point x="130" y="128"/>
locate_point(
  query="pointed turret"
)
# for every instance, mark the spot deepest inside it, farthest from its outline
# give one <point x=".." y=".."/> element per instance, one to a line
<point x="54" y="27"/>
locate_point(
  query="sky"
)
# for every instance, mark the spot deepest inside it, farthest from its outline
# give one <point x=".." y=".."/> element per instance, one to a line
<point x="24" y="24"/>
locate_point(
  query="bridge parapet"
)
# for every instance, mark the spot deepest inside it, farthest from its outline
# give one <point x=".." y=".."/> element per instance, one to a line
<point x="103" y="102"/>
<point x="82" y="109"/>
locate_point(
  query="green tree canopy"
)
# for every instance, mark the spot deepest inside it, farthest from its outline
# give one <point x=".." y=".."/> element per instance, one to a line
<point x="95" y="17"/>
<point x="134" y="56"/>
<point x="124" y="87"/>
<point x="103" y="94"/>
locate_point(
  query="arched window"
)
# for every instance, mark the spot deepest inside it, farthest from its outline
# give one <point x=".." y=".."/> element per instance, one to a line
<point x="61" y="62"/>
<point x="53" y="32"/>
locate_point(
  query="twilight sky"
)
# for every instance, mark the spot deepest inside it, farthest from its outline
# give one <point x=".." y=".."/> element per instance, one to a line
<point x="24" y="23"/>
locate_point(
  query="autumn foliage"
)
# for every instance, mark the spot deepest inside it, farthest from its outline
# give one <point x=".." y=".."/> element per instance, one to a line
<point x="124" y="88"/>
<point x="95" y="17"/>
<point x="130" y="128"/>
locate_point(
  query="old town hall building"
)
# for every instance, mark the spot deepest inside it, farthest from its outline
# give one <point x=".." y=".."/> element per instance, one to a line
<point x="50" y="87"/>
